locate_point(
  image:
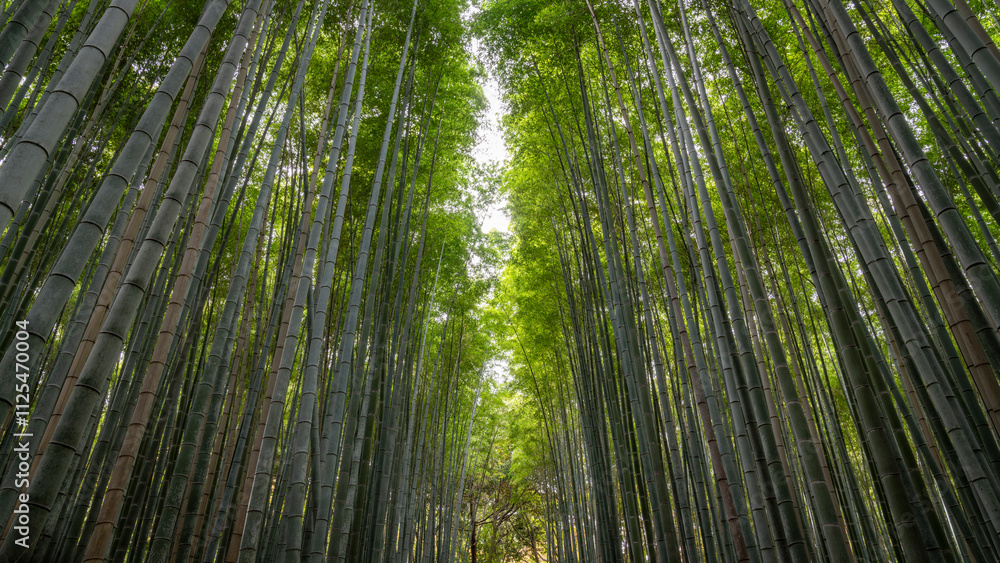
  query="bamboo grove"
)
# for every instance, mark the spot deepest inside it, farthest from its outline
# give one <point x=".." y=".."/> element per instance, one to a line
<point x="767" y="234"/>
<point x="748" y="310"/>
<point x="236" y="248"/>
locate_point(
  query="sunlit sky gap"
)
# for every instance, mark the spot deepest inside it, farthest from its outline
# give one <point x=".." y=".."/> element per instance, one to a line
<point x="491" y="146"/>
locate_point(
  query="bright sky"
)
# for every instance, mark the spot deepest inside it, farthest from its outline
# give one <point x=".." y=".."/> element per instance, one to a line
<point x="491" y="146"/>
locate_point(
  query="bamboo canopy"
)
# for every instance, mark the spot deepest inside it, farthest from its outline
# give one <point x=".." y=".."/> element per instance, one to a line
<point x="258" y="301"/>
